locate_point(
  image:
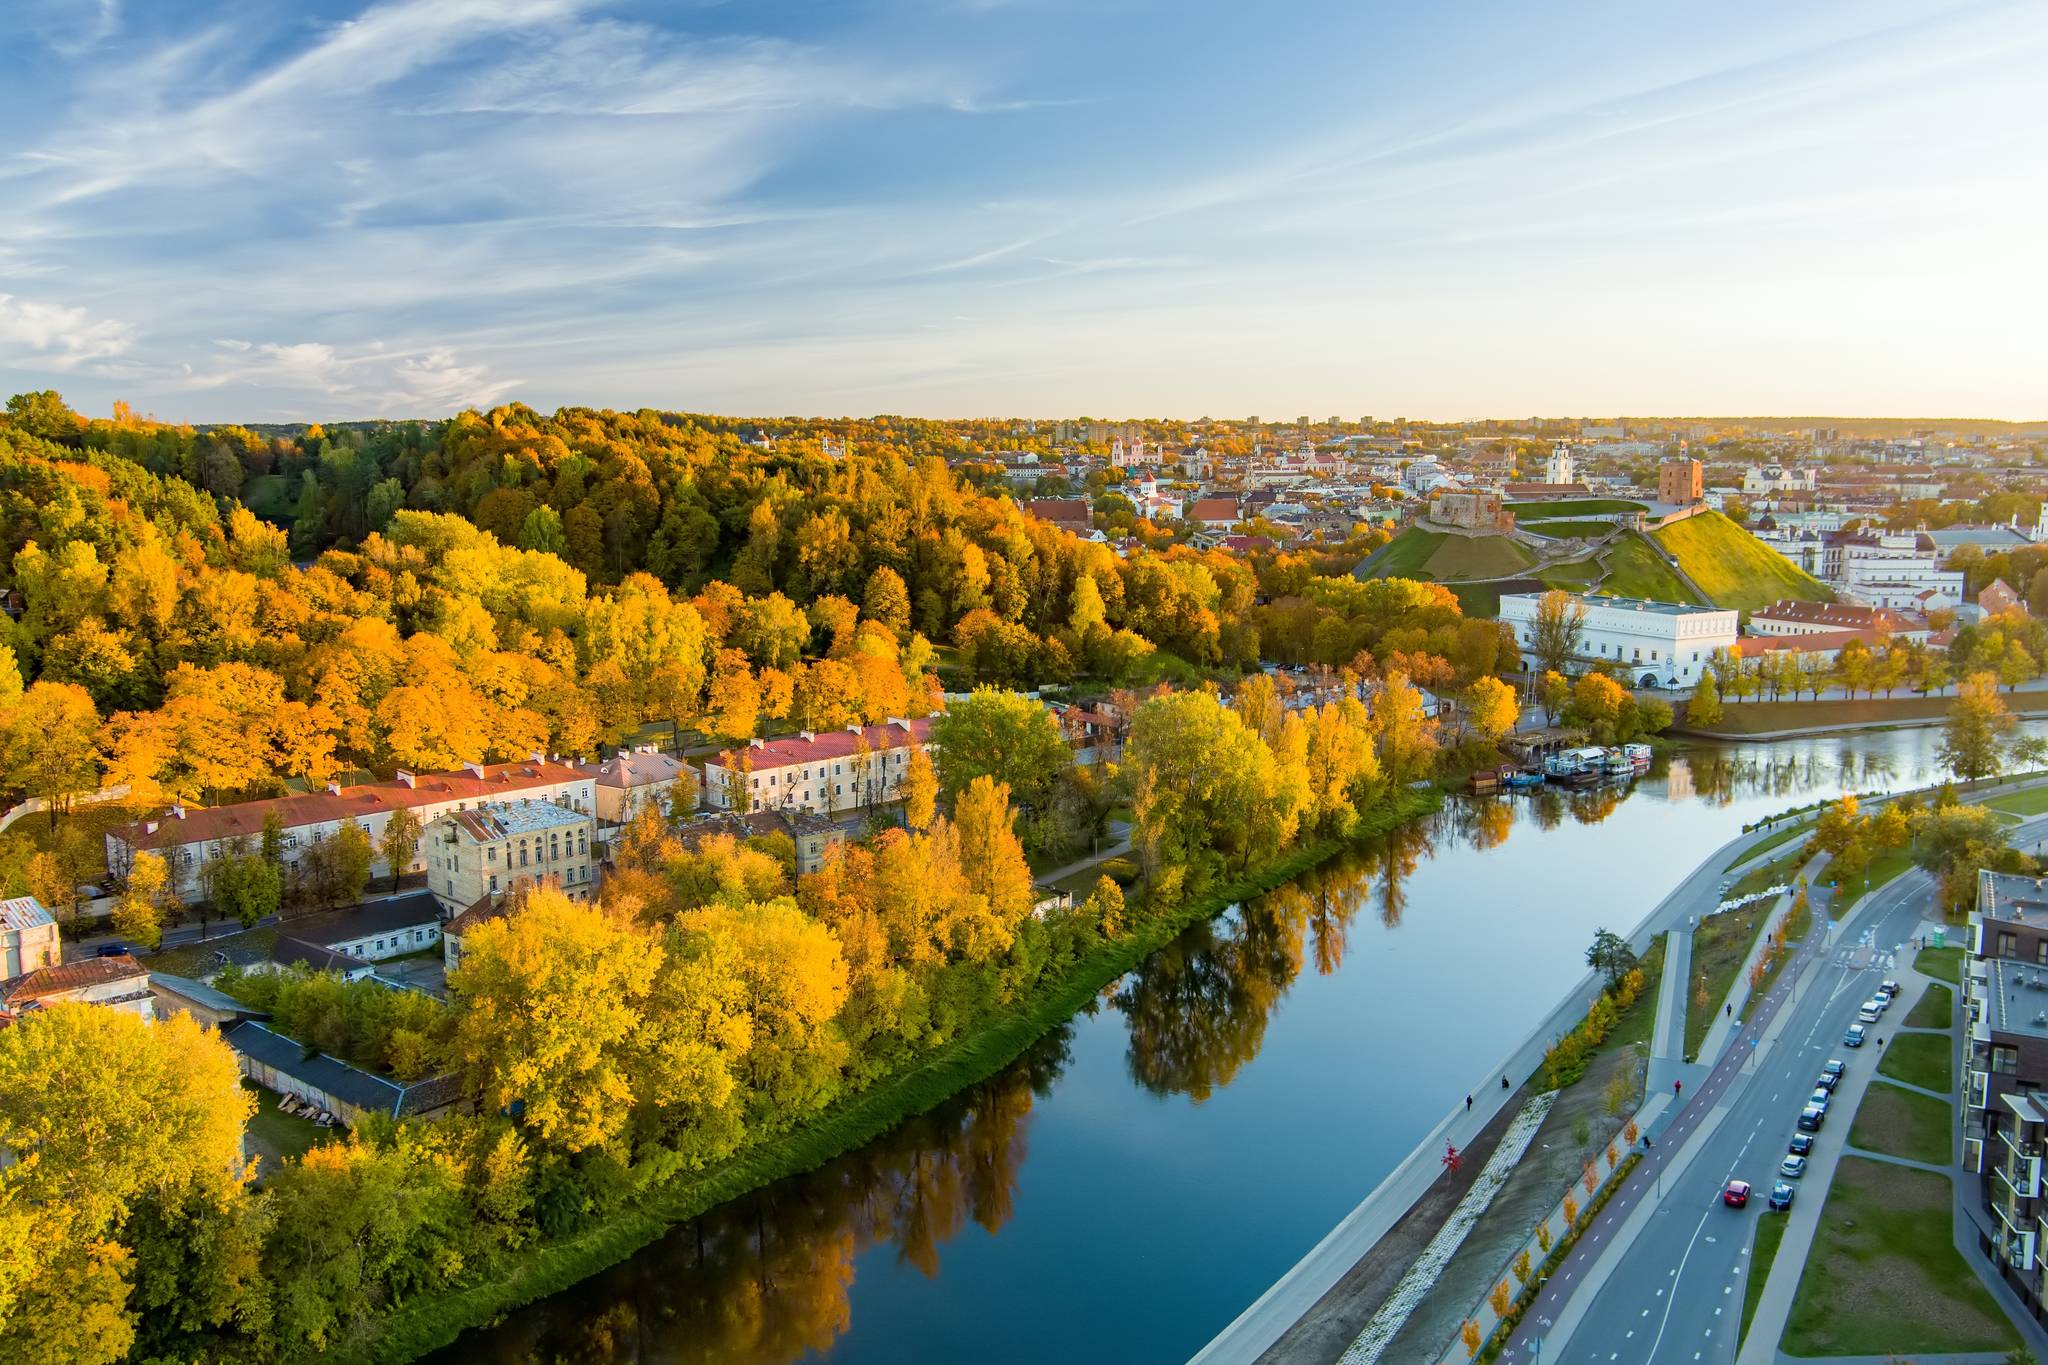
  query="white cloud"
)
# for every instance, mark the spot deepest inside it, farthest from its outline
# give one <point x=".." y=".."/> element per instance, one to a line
<point x="52" y="336"/>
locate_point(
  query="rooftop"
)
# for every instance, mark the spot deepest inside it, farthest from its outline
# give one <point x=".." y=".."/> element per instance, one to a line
<point x="2012" y="897"/>
<point x="367" y="920"/>
<point x="332" y="1076"/>
<point x="1839" y="615"/>
<point x="1600" y="601"/>
<point x="23" y="912"/>
<point x="634" y="768"/>
<point x="503" y="819"/>
<point x="2016" y="997"/>
<point x="245" y="820"/>
<point x="791" y="750"/>
<point x="70" y="976"/>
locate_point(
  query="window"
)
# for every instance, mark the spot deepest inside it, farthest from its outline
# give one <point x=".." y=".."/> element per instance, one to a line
<point x="2041" y="952"/>
<point x="494" y="883"/>
<point x="2008" y="944"/>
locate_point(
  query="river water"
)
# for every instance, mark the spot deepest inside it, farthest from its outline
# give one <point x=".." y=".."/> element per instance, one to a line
<point x="1130" y="1185"/>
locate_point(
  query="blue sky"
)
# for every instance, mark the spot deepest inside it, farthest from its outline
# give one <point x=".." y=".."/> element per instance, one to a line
<point x="228" y="210"/>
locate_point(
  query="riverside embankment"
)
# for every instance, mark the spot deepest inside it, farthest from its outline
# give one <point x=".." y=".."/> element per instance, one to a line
<point x="1155" y="1164"/>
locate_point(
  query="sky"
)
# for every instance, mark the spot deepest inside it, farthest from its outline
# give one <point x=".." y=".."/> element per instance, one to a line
<point x="308" y="210"/>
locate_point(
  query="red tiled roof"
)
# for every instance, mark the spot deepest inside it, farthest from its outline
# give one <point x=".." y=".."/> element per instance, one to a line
<point x="69" y="976"/>
<point x="1213" y="509"/>
<point x="1839" y="615"/>
<point x="1998" y="598"/>
<point x="1060" y="511"/>
<point x="791" y="750"/>
<point x="245" y="820"/>
<point x="1750" y="646"/>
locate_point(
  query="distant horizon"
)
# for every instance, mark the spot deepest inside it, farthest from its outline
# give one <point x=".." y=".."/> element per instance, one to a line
<point x="229" y="213"/>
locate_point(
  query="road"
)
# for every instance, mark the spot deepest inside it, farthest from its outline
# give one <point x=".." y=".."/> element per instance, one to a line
<point x="1674" y="1292"/>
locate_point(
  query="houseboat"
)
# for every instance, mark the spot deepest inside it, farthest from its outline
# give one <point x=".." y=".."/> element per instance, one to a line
<point x="1519" y="780"/>
<point x="1615" y="763"/>
<point x="1638" y="756"/>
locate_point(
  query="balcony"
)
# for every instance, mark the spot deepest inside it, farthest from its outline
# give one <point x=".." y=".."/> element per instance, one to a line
<point x="2020" y="1174"/>
<point x="1976" y="1089"/>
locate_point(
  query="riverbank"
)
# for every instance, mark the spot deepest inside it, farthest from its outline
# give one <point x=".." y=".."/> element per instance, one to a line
<point x="431" y="1322"/>
<point x="1762" y="720"/>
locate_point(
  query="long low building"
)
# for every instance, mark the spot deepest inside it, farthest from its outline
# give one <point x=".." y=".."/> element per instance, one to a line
<point x="821" y="772"/>
<point x="1654" y="644"/>
<point x="187" y="839"/>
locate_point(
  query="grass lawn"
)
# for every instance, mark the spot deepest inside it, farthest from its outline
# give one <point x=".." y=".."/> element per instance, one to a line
<point x="1779" y="870"/>
<point x="1920" y="1059"/>
<point x="1767" y="717"/>
<point x="1943" y="964"/>
<point x="1559" y="530"/>
<point x="2032" y="801"/>
<point x="1478" y="557"/>
<point x="1891" y="863"/>
<point x="1733" y="567"/>
<point x="1935" y="1009"/>
<point x="1574" y="574"/>
<point x="1883" y="1278"/>
<point x="1719" y="946"/>
<point x="1404" y="555"/>
<point x="1770" y="1232"/>
<point x="1784" y="834"/>
<point x="275" y="1135"/>
<point x="1477" y="599"/>
<point x="1635" y="570"/>
<point x="1574" y="507"/>
<point x="1641" y="1020"/>
<point x="1900" y="1123"/>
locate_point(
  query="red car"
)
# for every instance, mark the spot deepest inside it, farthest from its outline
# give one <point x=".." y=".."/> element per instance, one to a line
<point x="1736" y="1196"/>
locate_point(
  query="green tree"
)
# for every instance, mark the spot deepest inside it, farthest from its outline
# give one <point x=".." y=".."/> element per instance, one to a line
<point x="1705" y="707"/>
<point x="1004" y="736"/>
<point x="1559" y="627"/>
<point x="1611" y="956"/>
<point x="401" y="843"/>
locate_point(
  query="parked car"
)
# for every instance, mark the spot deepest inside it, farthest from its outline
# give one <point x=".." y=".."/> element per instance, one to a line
<point x="1801" y="1144"/>
<point x="1736" y="1194"/>
<point x="1827" y="1082"/>
<point x="1879" y="1002"/>
<point x="114" y="950"/>
<point x="1888" y="989"/>
<point x="1819" y="1100"/>
<point x="1810" y="1119"/>
<point x="1792" y="1167"/>
<point x="1854" y="1037"/>
<point x="1866" y="1015"/>
<point x="1781" y="1197"/>
<point x="1835" y="1067"/>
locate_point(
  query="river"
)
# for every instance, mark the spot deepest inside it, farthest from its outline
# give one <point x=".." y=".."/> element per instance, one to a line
<point x="1132" y="1183"/>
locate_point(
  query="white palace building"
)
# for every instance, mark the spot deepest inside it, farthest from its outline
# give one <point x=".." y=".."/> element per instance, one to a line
<point x="1655" y="644"/>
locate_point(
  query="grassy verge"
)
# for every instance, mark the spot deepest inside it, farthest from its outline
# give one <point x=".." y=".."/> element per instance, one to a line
<point x="275" y="1135"/>
<point x="1798" y="925"/>
<point x="1901" y="1123"/>
<point x="1770" y="1233"/>
<point x="1943" y="964"/>
<point x="1935" y="1009"/>
<point x="1784" y="835"/>
<point x="1884" y="1278"/>
<point x="1749" y="718"/>
<point x="1892" y="862"/>
<point x="428" y="1322"/>
<point x="1778" y="871"/>
<point x="1920" y="1059"/>
<point x="2032" y="801"/>
<point x="1719" y="946"/>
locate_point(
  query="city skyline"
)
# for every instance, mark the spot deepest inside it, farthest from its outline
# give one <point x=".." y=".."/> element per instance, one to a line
<point x="216" y="212"/>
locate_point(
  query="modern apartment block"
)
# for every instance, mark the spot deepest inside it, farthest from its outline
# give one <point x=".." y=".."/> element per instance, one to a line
<point x="503" y="845"/>
<point x="2005" y="1071"/>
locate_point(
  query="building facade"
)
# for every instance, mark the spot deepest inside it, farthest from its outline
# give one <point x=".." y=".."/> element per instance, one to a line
<point x="187" y="839"/>
<point x="2005" y="1069"/>
<point x="824" y="772"/>
<point x="118" y="982"/>
<point x="1652" y="644"/>
<point x="1681" y="481"/>
<point x="639" y="779"/>
<point x="502" y="846"/>
<point x="28" y="936"/>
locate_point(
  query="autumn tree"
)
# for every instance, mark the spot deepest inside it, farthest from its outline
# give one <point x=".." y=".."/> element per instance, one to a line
<point x="1705" y="706"/>
<point x="920" y="789"/>
<point x="49" y="745"/>
<point x="1001" y="735"/>
<point x="991" y="855"/>
<point x="1491" y="708"/>
<point x="401" y="842"/>
<point x="550" y="999"/>
<point x="1559" y="627"/>
<point x="1977" y="730"/>
<point x="139" y="914"/>
<point x="1554" y="691"/>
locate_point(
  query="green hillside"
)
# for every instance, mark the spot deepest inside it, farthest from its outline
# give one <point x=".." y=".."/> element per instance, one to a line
<point x="1636" y="570"/>
<point x="1442" y="558"/>
<point x="1572" y="507"/>
<point x="1559" y="530"/>
<point x="1733" y="567"/>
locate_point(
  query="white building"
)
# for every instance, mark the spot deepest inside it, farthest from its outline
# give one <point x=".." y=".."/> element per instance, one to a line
<point x="501" y="846"/>
<point x="1656" y="644"/>
<point x="1562" y="466"/>
<point x="1903" y="572"/>
<point x="1774" y="479"/>
<point x="824" y="772"/>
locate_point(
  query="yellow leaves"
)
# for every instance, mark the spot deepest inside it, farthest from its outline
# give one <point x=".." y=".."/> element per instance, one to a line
<point x="1491" y="707"/>
<point x="920" y="790"/>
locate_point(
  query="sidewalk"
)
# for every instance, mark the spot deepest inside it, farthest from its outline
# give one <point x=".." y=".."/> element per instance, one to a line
<point x="1115" y="850"/>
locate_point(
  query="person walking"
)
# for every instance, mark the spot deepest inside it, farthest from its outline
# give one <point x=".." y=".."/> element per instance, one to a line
<point x="1468" y="1104"/>
<point x="1503" y="1082"/>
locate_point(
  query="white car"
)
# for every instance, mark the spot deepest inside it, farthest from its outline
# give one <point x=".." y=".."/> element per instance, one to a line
<point x="1879" y="1002"/>
<point x="1866" y="1015"/>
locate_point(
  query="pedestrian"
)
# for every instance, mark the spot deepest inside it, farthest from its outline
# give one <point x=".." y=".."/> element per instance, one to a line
<point x="1503" y="1082"/>
<point x="1731" y="1011"/>
<point x="1468" y="1103"/>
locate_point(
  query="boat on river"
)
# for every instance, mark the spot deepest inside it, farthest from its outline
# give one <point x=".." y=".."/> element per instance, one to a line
<point x="1615" y="763"/>
<point x="1638" y="756"/>
<point x="1575" y="765"/>
<point x="1518" y="779"/>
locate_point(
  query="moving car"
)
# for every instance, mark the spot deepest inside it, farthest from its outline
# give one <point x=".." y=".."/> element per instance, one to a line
<point x="1810" y="1119"/>
<point x="1801" y="1144"/>
<point x="1736" y="1194"/>
<point x="1792" y="1167"/>
<point x="1835" y="1067"/>
<point x="1854" y="1037"/>
<point x="1781" y="1197"/>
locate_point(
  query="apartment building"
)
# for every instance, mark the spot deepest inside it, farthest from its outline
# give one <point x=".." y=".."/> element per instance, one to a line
<point x="187" y="839"/>
<point x="502" y="846"/>
<point x="28" y="936"/>
<point x="821" y="772"/>
<point x="639" y="779"/>
<point x="2005" y="1112"/>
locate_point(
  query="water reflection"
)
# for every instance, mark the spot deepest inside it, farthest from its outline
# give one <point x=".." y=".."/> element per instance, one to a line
<point x="1162" y="1108"/>
<point x="768" y="1276"/>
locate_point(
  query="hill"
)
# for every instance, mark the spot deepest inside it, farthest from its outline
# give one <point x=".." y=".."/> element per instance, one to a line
<point x="1444" y="558"/>
<point x="1732" y="567"/>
